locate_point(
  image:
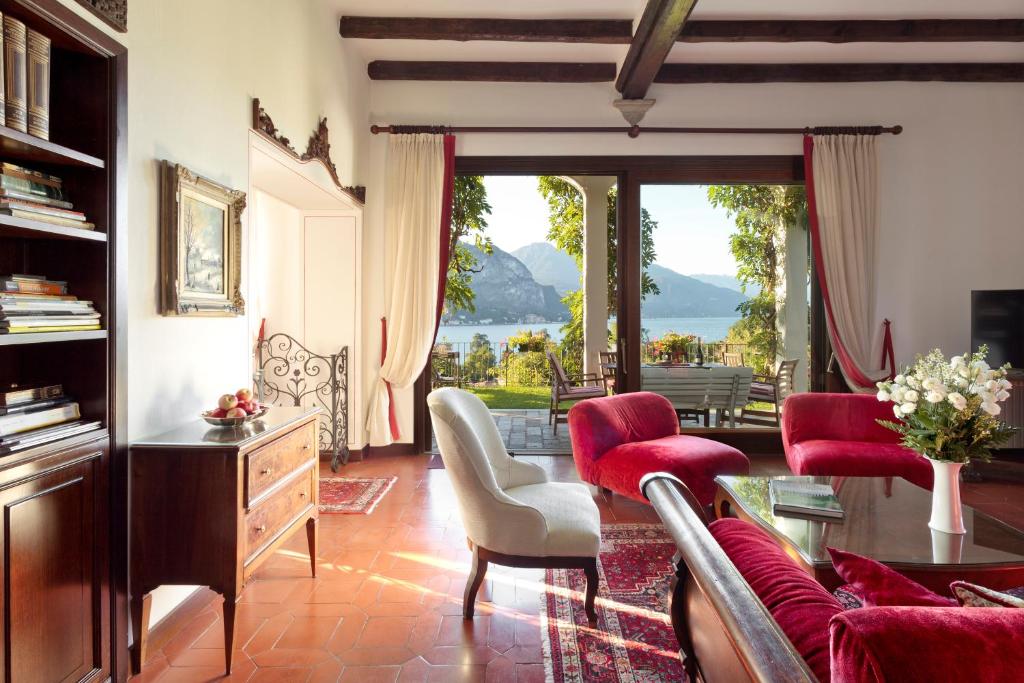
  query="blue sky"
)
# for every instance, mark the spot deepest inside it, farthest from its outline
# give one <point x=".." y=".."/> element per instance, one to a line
<point x="692" y="236"/>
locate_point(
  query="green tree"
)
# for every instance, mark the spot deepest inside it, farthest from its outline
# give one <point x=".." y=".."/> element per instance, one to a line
<point x="480" y="360"/>
<point x="469" y="210"/>
<point x="565" y="218"/>
<point x="761" y="213"/>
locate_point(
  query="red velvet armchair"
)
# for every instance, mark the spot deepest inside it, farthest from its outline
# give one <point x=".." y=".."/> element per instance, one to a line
<point x="838" y="435"/>
<point x="616" y="440"/>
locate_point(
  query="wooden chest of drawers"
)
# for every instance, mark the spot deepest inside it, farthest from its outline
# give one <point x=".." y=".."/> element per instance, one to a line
<point x="210" y="504"/>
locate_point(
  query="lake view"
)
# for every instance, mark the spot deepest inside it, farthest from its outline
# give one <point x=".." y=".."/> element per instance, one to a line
<point x="709" y="329"/>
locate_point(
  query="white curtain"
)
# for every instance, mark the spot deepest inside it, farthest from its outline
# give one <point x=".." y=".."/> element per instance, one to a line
<point x="846" y="193"/>
<point x="412" y="223"/>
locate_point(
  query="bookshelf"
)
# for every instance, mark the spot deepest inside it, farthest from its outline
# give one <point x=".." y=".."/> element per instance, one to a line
<point x="66" y="501"/>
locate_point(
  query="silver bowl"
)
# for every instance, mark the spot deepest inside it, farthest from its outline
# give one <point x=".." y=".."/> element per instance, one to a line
<point x="234" y="421"/>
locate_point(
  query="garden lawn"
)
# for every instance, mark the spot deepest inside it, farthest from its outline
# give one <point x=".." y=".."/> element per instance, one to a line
<point x="515" y="397"/>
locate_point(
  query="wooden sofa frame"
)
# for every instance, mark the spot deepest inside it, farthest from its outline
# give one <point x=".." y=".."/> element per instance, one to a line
<point x="725" y="633"/>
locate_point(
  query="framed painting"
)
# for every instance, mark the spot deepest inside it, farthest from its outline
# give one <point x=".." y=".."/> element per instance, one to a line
<point x="200" y="245"/>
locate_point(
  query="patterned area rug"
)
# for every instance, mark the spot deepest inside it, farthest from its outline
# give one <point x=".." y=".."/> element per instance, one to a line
<point x="633" y="641"/>
<point x="350" y="496"/>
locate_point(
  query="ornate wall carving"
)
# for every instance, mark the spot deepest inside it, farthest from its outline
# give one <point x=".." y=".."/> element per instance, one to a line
<point x="113" y="12"/>
<point x="317" y="149"/>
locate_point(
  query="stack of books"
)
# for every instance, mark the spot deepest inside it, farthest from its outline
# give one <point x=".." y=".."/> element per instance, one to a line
<point x="35" y="415"/>
<point x="31" y="303"/>
<point x="37" y="196"/>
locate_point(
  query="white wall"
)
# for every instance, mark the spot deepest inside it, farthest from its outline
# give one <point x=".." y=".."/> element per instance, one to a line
<point x="276" y="287"/>
<point x="952" y="186"/>
<point x="193" y="67"/>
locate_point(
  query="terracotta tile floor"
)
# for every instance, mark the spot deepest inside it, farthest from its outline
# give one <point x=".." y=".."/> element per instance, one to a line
<point x="386" y="604"/>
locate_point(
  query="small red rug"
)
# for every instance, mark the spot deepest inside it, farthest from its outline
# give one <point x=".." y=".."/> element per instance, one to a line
<point x="351" y="496"/>
<point x="633" y="641"/>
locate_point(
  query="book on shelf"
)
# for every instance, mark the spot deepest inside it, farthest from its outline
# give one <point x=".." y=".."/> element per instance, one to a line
<point x="34" y="405"/>
<point x="31" y="174"/>
<point x="36" y="207"/>
<point x="12" y="307"/>
<point x="43" y="200"/>
<point x="37" y="65"/>
<point x="31" y="285"/>
<point x="23" y="422"/>
<point x="32" y="296"/>
<point x="51" y="328"/>
<point x="83" y="320"/>
<point x="49" y="316"/>
<point x="20" y="180"/>
<point x="45" y="218"/>
<point x="38" y="437"/>
<point x="803" y="499"/>
<point x="18" y="394"/>
<point x="15" y="74"/>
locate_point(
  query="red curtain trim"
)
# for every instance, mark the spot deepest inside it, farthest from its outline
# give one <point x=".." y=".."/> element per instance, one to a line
<point x="447" y="200"/>
<point x="850" y="368"/>
<point x="392" y="418"/>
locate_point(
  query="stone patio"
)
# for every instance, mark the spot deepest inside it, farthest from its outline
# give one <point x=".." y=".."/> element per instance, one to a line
<point x="528" y="430"/>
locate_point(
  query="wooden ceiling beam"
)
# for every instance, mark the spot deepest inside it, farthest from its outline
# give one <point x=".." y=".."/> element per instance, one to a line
<point x="840" y="73"/>
<point x="606" y="31"/>
<point x="656" y="32"/>
<point x="500" y="72"/>
<point x="619" y="31"/>
<point x="854" y="31"/>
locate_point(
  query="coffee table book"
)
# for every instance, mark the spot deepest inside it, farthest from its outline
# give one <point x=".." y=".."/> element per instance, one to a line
<point x="800" y="499"/>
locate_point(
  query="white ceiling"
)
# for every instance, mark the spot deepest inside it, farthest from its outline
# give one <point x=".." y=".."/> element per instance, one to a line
<point x="428" y="50"/>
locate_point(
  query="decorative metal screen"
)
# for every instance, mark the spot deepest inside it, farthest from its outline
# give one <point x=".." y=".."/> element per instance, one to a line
<point x="287" y="373"/>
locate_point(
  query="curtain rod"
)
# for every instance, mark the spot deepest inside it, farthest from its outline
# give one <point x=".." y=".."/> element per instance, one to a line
<point x="634" y="131"/>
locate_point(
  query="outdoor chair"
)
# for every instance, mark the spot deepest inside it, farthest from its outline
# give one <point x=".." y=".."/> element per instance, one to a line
<point x="732" y="359"/>
<point x="566" y="388"/>
<point x="609" y="366"/>
<point x="444" y="366"/>
<point x="773" y="390"/>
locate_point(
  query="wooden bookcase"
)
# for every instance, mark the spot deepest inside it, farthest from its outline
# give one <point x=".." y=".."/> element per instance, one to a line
<point x="63" y="575"/>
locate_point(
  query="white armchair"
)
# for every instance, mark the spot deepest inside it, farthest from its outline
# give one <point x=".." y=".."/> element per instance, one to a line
<point x="512" y="514"/>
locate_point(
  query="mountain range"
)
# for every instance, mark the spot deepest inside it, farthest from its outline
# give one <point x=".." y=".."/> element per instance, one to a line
<point x="527" y="285"/>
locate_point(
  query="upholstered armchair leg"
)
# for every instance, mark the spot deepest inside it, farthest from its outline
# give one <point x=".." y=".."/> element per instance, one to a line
<point x="476" y="577"/>
<point x="591" y="571"/>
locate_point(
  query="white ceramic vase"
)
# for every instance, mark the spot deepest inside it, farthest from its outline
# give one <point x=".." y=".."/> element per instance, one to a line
<point x="947" y="513"/>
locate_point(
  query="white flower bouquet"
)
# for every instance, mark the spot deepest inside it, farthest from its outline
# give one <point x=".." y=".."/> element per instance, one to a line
<point x="948" y="410"/>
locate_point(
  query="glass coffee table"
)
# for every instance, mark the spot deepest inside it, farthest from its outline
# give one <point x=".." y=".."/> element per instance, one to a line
<point x="886" y="519"/>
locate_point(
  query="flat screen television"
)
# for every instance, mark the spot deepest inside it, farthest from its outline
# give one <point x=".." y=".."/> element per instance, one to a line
<point x="997" y="319"/>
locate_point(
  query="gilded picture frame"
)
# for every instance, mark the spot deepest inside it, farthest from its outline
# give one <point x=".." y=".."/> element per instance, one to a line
<point x="200" y="245"/>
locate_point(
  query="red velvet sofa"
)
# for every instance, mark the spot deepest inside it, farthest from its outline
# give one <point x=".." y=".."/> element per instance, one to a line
<point x="743" y="610"/>
<point x="838" y="435"/>
<point x="616" y="440"/>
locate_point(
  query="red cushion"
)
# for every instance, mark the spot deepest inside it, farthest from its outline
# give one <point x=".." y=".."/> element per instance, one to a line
<point x="898" y="644"/>
<point x="798" y="603"/>
<point x="694" y="460"/>
<point x="859" y="459"/>
<point x="877" y="585"/>
<point x="599" y="425"/>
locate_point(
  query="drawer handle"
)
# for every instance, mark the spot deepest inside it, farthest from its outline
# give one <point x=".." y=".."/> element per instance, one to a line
<point x="306" y="447"/>
<point x="266" y="470"/>
<point x="261" y="528"/>
<point x="302" y="494"/>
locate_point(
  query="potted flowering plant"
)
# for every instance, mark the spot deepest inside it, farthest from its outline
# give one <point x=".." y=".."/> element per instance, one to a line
<point x="676" y="345"/>
<point x="948" y="412"/>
